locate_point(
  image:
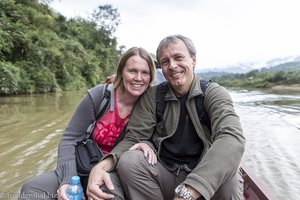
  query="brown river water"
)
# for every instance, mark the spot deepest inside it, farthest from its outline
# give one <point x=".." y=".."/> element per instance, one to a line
<point x="31" y="126"/>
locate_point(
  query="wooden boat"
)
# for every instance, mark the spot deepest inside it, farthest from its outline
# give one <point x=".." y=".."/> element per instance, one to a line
<point x="253" y="188"/>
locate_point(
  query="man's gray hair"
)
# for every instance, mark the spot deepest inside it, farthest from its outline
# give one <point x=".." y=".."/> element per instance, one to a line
<point x="173" y="39"/>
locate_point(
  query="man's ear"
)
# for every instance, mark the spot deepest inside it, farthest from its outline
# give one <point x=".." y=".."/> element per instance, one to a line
<point x="194" y="58"/>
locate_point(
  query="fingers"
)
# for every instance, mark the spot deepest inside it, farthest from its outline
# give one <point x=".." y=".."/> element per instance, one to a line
<point x="135" y="147"/>
<point x="148" y="152"/>
<point x="96" y="193"/>
<point x="108" y="182"/>
<point x="99" y="177"/>
<point x="110" y="79"/>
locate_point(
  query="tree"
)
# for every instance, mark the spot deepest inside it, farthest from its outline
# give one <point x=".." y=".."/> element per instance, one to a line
<point x="42" y="51"/>
<point x="107" y="18"/>
<point x="279" y="76"/>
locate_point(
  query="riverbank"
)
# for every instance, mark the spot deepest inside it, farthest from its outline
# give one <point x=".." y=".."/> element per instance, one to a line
<point x="292" y="88"/>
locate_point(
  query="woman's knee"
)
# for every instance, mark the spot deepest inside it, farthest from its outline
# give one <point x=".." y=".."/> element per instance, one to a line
<point x="29" y="189"/>
<point x="31" y="185"/>
<point x="44" y="185"/>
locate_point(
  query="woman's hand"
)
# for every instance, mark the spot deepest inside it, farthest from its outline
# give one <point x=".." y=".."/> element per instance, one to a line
<point x="148" y="152"/>
<point x="61" y="192"/>
<point x="99" y="177"/>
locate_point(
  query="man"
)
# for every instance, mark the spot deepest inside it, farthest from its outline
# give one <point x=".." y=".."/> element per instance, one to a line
<point x="180" y="158"/>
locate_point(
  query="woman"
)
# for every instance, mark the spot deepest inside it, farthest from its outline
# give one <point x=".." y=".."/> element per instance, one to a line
<point x="135" y="74"/>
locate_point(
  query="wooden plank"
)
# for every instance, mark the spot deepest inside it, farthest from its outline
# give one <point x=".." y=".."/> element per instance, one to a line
<point x="254" y="189"/>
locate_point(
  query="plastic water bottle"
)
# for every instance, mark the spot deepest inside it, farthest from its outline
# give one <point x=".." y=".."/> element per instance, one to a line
<point x="74" y="191"/>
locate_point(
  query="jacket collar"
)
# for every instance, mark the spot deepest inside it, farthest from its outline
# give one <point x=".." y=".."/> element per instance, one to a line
<point x="194" y="91"/>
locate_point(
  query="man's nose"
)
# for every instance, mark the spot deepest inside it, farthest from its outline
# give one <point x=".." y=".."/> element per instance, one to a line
<point x="173" y="64"/>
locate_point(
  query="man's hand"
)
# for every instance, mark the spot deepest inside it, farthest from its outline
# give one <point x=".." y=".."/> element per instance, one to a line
<point x="99" y="177"/>
<point x="148" y="152"/>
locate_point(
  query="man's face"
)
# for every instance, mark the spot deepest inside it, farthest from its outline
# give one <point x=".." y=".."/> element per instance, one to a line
<point x="178" y="66"/>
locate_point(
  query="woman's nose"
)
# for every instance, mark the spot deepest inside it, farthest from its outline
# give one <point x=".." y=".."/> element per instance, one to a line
<point x="138" y="76"/>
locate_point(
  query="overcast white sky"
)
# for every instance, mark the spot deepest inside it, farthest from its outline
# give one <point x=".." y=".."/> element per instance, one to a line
<point x="224" y="32"/>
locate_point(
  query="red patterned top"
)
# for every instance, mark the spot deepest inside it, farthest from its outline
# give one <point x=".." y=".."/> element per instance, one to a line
<point x="108" y="128"/>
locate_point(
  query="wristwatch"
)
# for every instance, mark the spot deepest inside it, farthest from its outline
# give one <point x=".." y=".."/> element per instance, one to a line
<point x="182" y="192"/>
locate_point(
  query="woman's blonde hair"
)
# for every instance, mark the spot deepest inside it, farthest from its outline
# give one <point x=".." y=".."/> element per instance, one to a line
<point x="118" y="82"/>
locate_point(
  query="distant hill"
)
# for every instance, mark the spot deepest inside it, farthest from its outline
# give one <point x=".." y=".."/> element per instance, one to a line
<point x="239" y="68"/>
<point x="276" y="64"/>
<point x="284" y="66"/>
<point x="278" y="61"/>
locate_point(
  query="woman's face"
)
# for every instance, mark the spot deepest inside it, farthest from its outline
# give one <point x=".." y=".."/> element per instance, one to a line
<point x="136" y="75"/>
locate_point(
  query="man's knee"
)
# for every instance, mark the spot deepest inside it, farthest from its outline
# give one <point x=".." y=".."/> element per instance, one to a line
<point x="129" y="161"/>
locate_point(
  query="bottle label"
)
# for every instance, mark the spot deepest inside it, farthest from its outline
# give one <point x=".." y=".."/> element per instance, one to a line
<point x="77" y="196"/>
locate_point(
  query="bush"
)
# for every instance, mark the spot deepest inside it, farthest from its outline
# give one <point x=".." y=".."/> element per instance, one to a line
<point x="9" y="79"/>
<point x="45" y="81"/>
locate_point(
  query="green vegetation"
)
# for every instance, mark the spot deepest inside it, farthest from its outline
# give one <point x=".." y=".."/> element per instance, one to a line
<point x="42" y="51"/>
<point x="284" y="74"/>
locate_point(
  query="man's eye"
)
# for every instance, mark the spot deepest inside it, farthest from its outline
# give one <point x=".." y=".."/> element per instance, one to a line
<point x="179" y="58"/>
<point x="165" y="63"/>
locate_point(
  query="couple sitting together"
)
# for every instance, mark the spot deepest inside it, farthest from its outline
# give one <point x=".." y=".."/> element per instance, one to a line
<point x="174" y="155"/>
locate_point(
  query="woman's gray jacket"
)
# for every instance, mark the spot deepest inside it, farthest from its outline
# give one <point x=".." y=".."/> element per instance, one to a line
<point x="75" y="131"/>
<point x="223" y="147"/>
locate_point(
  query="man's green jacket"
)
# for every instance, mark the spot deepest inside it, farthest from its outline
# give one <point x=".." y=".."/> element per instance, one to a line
<point x="223" y="146"/>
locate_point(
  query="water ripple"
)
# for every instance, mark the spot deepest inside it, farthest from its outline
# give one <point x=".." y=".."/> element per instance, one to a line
<point x="273" y="137"/>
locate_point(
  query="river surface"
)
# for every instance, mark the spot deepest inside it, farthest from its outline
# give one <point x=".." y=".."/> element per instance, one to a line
<point x="31" y="126"/>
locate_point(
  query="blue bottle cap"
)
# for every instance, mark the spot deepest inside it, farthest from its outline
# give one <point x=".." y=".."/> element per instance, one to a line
<point x="75" y="180"/>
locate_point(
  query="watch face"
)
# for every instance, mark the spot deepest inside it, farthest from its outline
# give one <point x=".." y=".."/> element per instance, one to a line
<point x="179" y="190"/>
<point x="182" y="192"/>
